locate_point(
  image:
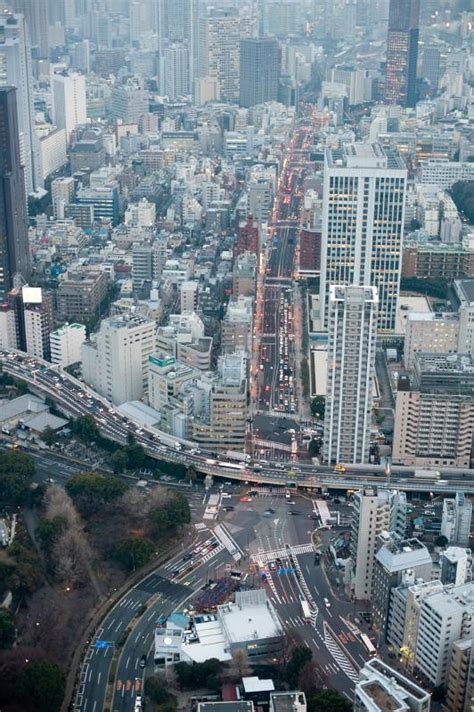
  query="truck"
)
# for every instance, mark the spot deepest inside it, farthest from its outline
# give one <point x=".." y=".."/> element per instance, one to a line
<point x="427" y="474"/>
<point x="238" y="456"/>
<point x="306" y="610"/>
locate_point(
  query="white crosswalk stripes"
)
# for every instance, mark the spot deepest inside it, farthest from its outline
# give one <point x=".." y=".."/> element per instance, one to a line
<point x="200" y="526"/>
<point x="211" y="554"/>
<point x="264" y="556"/>
<point x="339" y="656"/>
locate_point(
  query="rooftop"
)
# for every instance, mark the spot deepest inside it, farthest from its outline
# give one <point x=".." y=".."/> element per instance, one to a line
<point x="251" y="617"/>
<point x="238" y="706"/>
<point x="383" y="699"/>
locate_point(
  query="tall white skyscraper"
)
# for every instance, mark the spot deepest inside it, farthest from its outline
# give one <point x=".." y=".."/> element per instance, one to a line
<point x="69" y="101"/>
<point x="176" y="22"/>
<point x="363" y="213"/>
<point x="176" y="72"/>
<point x="219" y="51"/>
<point x="350" y="373"/>
<point x="15" y="70"/>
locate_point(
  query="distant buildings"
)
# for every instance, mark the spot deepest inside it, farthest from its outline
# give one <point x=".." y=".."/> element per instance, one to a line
<point x="69" y="101"/>
<point x="402" y="52"/>
<point x="14" y="245"/>
<point x="219" y="51"/>
<point x="352" y="324"/>
<point x="363" y="216"/>
<point x="259" y="71"/>
<point x="80" y="295"/>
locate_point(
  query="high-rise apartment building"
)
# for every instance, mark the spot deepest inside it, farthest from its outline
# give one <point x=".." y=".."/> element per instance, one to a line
<point x="259" y="70"/>
<point x="350" y="373"/>
<point x="62" y="193"/>
<point x="445" y="617"/>
<point x="402" y="52"/>
<point x="14" y="246"/>
<point x="37" y="20"/>
<point x="460" y="692"/>
<point x="69" y="101"/>
<point x="115" y="360"/>
<point x="38" y="321"/>
<point x="454" y="565"/>
<point x="395" y="560"/>
<point x="434" y="413"/>
<point x="371" y="515"/>
<point x="219" y="51"/>
<point x="363" y="217"/>
<point x="15" y="70"/>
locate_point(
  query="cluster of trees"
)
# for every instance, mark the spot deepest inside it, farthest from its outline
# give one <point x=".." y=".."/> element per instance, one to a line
<point x="16" y="475"/>
<point x="41" y="686"/>
<point x="90" y="491"/>
<point x="204" y="674"/>
<point x="429" y="286"/>
<point x="305" y="377"/>
<point x="61" y="534"/>
<point x="318" y="407"/>
<point x="157" y="691"/>
<point x="463" y="195"/>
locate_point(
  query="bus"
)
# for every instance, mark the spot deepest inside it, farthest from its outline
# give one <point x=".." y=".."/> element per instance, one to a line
<point x="306" y="610"/>
<point x="368" y="644"/>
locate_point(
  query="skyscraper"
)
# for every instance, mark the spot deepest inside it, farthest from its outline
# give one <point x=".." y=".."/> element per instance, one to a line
<point x="363" y="214"/>
<point x="15" y="70"/>
<point x="176" y="72"/>
<point x="14" y="248"/>
<point x="69" y="101"/>
<point x="176" y="22"/>
<point x="259" y="71"/>
<point x="351" y="358"/>
<point x="37" y="20"/>
<point x="219" y="51"/>
<point x="402" y="52"/>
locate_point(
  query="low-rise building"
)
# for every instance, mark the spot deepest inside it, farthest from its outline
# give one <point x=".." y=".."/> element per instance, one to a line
<point x="382" y="688"/>
<point x="80" y="295"/>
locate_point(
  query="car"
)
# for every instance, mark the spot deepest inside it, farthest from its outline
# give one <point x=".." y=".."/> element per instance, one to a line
<point x="294" y="511"/>
<point x="187" y="557"/>
<point x="229" y="508"/>
<point x="143" y="661"/>
<point x="290" y="501"/>
<point x="326" y="603"/>
<point x="272" y="566"/>
<point x="339" y="468"/>
<point x="246" y="499"/>
<point x="175" y="573"/>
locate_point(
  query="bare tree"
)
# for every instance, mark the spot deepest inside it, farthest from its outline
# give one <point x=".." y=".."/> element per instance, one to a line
<point x="239" y="667"/>
<point x="59" y="504"/>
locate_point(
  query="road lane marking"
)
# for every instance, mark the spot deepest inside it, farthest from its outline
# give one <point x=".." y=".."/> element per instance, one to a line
<point x="127" y="663"/>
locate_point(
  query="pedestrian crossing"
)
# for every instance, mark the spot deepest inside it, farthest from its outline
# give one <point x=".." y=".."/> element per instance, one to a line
<point x="201" y="527"/>
<point x="210" y="554"/>
<point x="265" y="556"/>
<point x="338" y="655"/>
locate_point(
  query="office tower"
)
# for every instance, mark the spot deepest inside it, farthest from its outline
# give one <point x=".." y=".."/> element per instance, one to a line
<point x="129" y="101"/>
<point x="115" y="360"/>
<point x="454" y="565"/>
<point x="80" y="295"/>
<point x="363" y="218"/>
<point x="66" y="344"/>
<point x="259" y="71"/>
<point x="445" y="617"/>
<point x="37" y="20"/>
<point x="69" y="101"/>
<point x="14" y="246"/>
<point x="15" y="70"/>
<point x="382" y="688"/>
<point x="175" y="62"/>
<point x="460" y="692"/>
<point x="62" y="11"/>
<point x="177" y="23"/>
<point x="371" y="516"/>
<point x="350" y="17"/>
<point x="402" y="52"/>
<point x="456" y="519"/>
<point x="434" y="332"/>
<point x="350" y="373"/>
<point x="396" y="560"/>
<point x="219" y="51"/>
<point x="434" y="412"/>
<point x="260" y="194"/>
<point x="430" y="67"/>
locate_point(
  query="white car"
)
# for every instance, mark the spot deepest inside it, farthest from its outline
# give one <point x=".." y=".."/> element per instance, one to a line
<point x="326" y="603"/>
